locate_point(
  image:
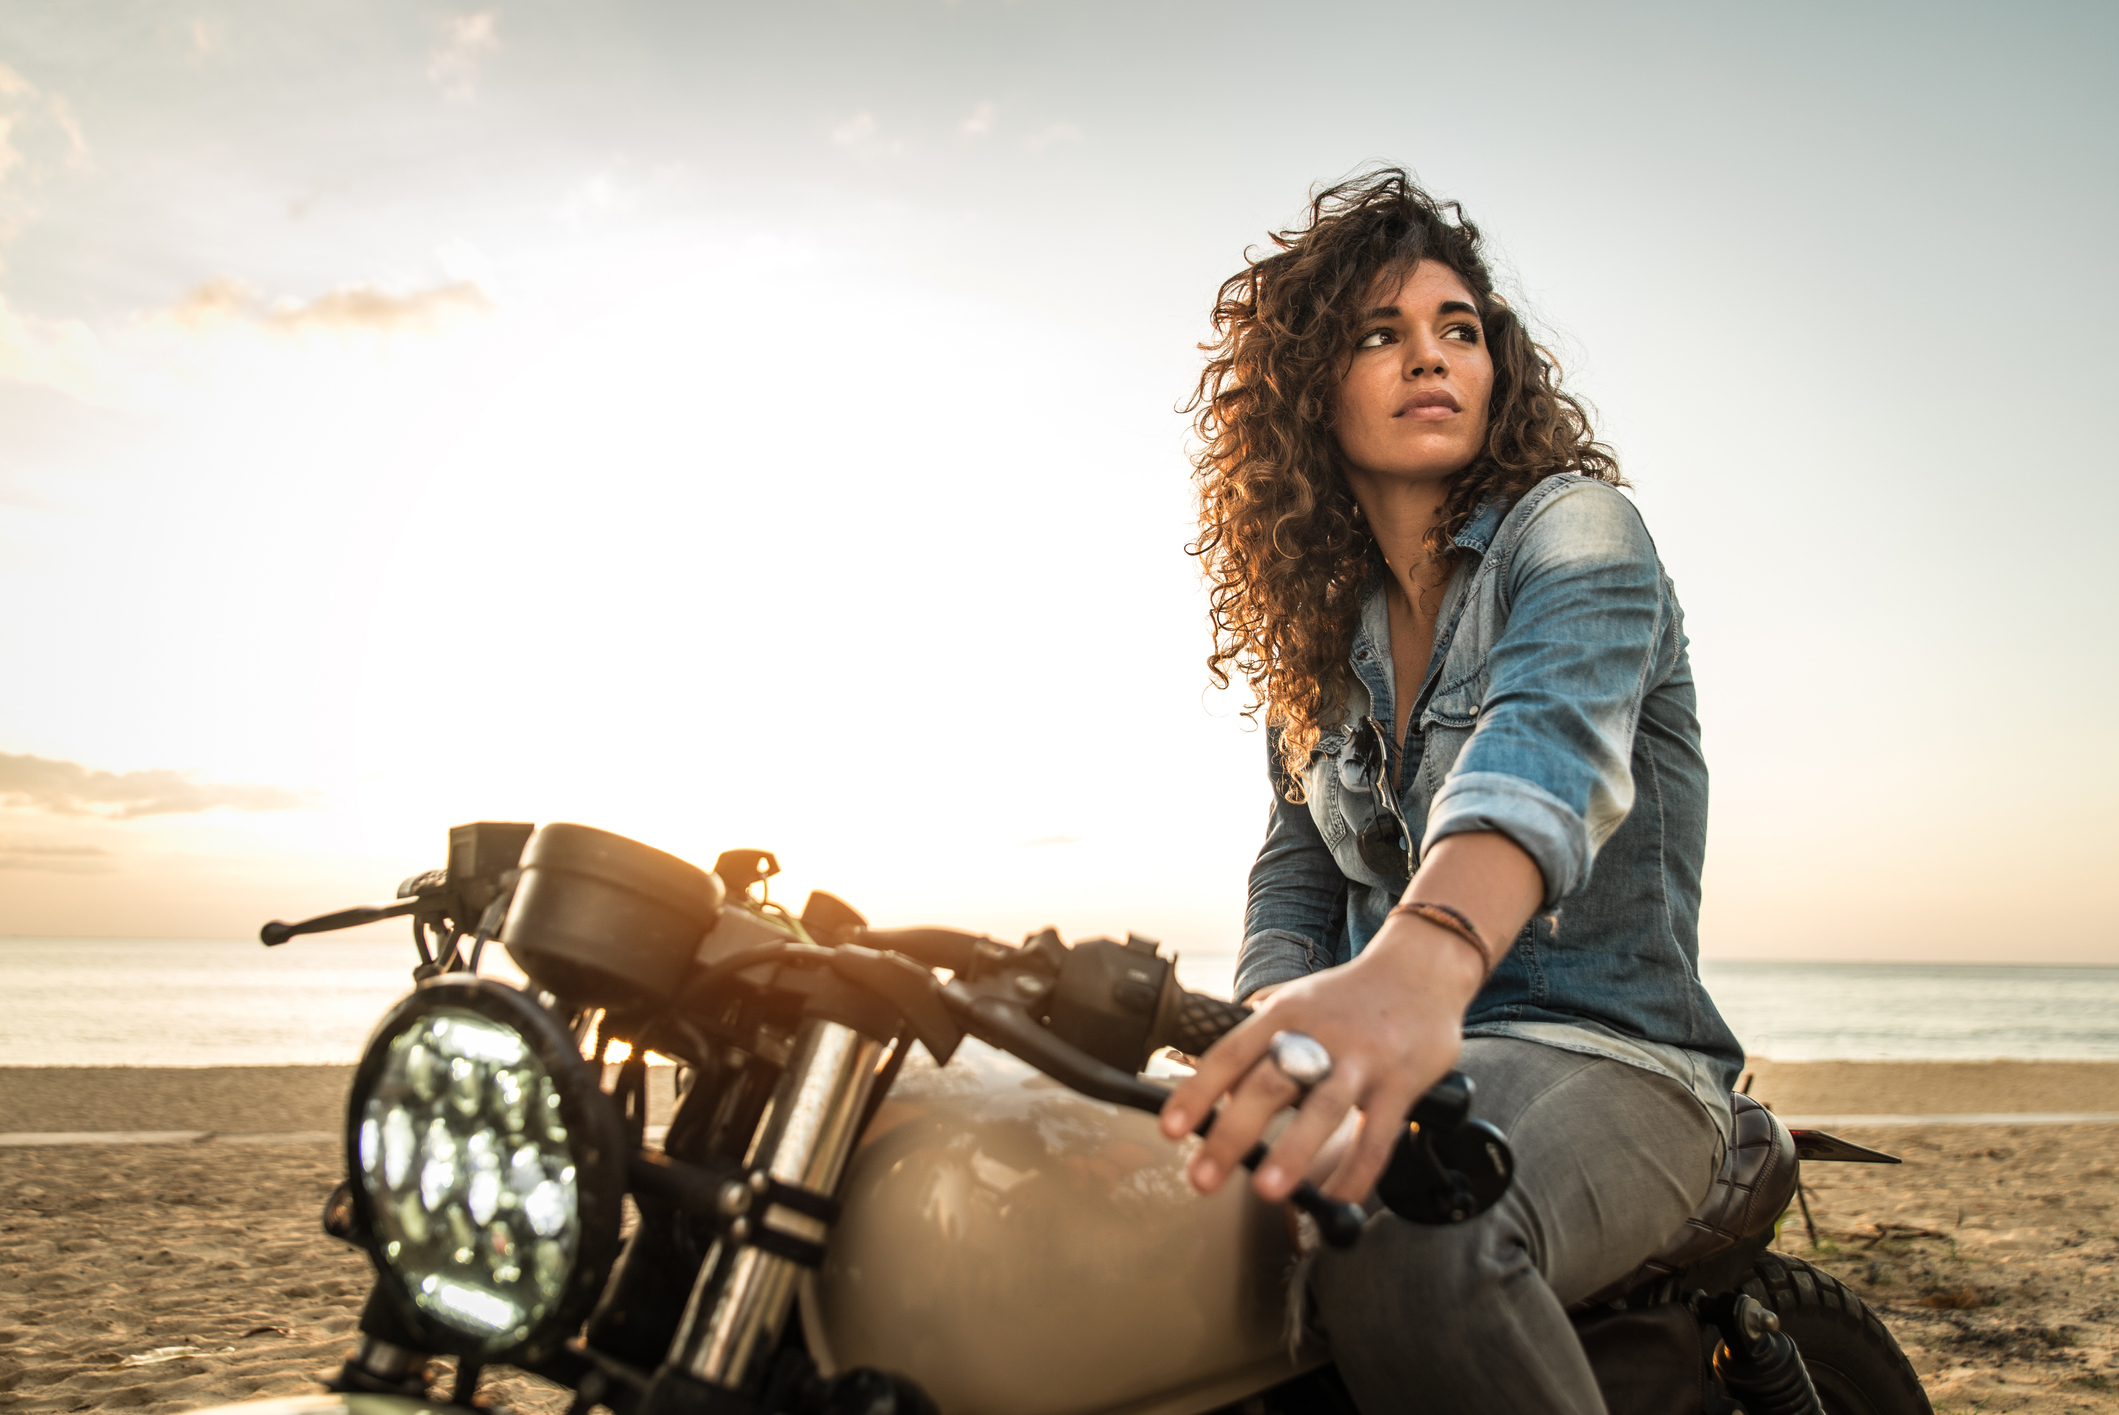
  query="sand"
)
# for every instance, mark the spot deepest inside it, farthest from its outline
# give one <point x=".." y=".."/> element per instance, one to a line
<point x="1990" y="1253"/>
<point x="1935" y="1087"/>
<point x="225" y="1099"/>
<point x="163" y="1277"/>
<point x="236" y="1099"/>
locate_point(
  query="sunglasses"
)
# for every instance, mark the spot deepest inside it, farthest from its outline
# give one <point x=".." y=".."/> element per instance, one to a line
<point x="1386" y="844"/>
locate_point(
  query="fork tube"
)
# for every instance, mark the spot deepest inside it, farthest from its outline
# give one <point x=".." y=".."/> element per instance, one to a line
<point x="742" y="1297"/>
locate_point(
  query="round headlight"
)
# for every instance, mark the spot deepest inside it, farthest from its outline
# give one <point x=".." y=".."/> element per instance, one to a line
<point x="487" y="1169"/>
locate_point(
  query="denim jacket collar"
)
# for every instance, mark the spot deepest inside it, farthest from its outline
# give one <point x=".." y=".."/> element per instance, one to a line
<point x="1478" y="532"/>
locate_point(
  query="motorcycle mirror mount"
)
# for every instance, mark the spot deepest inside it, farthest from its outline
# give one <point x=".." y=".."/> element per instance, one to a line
<point x="481" y="865"/>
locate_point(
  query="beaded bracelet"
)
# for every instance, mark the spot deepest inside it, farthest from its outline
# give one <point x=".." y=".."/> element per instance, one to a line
<point x="1457" y="922"/>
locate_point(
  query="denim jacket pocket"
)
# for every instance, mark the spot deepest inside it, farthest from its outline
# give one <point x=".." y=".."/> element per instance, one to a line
<point x="1324" y="783"/>
<point x="1455" y="705"/>
<point x="1446" y="724"/>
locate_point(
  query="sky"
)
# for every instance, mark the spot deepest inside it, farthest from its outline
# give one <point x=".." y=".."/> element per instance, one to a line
<point x="738" y="425"/>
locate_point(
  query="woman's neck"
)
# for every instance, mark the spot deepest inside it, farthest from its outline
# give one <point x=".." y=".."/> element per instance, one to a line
<point x="1400" y="514"/>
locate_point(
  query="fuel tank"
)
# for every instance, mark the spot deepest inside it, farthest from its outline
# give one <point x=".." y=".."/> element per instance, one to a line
<point x="1019" y="1249"/>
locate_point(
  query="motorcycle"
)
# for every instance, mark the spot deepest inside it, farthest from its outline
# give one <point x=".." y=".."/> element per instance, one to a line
<point x="831" y="1226"/>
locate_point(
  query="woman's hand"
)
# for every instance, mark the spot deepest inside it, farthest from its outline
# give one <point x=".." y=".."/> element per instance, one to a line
<point x="1392" y="1021"/>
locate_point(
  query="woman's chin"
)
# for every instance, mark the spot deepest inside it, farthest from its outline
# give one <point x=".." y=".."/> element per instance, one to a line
<point x="1418" y="464"/>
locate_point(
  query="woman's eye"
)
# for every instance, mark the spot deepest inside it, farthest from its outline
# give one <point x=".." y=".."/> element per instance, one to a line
<point x="1374" y="339"/>
<point x="1469" y="333"/>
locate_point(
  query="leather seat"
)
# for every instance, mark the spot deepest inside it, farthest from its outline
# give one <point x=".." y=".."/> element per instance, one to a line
<point x="1749" y="1195"/>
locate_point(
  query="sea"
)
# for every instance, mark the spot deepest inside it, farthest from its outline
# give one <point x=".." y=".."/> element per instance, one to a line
<point x="208" y="1002"/>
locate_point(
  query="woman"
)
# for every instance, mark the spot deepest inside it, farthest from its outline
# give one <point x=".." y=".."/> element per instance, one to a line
<point x="1489" y="800"/>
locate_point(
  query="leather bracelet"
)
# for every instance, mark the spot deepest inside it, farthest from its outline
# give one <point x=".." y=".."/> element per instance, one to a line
<point x="1457" y="922"/>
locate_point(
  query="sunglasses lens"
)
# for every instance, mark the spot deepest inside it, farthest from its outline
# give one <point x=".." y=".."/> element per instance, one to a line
<point x="1383" y="847"/>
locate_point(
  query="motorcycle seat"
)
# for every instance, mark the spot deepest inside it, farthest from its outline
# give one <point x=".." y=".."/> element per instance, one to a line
<point x="1748" y="1197"/>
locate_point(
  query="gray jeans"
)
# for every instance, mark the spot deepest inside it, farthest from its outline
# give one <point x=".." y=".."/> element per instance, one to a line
<point x="1610" y="1159"/>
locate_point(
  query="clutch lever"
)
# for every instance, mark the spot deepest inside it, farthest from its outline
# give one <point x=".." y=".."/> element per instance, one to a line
<point x="276" y="933"/>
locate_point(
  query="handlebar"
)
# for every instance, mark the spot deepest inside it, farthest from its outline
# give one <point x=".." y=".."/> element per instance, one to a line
<point x="953" y="949"/>
<point x="1090" y="1015"/>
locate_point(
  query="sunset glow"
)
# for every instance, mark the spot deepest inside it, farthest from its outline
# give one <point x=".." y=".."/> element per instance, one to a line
<point x="664" y="419"/>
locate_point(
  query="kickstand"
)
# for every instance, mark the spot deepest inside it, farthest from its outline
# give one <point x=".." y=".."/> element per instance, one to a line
<point x="1804" y="1200"/>
<point x="467" y="1374"/>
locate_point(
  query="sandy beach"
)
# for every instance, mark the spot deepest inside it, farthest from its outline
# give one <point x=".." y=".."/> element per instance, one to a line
<point x="167" y="1276"/>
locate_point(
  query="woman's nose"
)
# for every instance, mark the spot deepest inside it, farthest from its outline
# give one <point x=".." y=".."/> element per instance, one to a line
<point x="1424" y="356"/>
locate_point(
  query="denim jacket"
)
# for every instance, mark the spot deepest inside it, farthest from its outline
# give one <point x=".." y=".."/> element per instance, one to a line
<point x="1557" y="709"/>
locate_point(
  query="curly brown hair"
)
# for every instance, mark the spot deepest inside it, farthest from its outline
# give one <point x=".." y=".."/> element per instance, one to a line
<point x="1281" y="541"/>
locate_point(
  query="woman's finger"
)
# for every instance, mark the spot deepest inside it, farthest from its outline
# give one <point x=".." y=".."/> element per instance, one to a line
<point x="1224" y="1065"/>
<point x="1383" y="1122"/>
<point x="1318" y="1119"/>
<point x="1251" y="1106"/>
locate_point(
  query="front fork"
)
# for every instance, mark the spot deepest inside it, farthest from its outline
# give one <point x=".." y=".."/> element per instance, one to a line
<point x="746" y="1285"/>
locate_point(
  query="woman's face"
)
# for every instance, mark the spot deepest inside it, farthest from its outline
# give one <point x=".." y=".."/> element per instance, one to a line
<point x="1413" y="402"/>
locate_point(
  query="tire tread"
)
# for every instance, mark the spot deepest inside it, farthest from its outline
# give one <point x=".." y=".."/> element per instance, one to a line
<point x="1790" y="1285"/>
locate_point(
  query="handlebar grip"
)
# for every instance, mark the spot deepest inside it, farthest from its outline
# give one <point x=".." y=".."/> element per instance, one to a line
<point x="1198" y="1021"/>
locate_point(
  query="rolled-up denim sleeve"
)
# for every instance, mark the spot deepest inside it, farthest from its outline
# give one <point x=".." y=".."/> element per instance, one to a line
<point x="1550" y="763"/>
<point x="1295" y="896"/>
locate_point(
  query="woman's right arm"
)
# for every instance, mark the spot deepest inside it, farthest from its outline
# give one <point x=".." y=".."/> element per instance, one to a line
<point x="1297" y="896"/>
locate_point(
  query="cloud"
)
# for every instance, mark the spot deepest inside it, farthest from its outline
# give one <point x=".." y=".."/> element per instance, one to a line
<point x="863" y="136"/>
<point x="24" y="107"/>
<point x="349" y="307"/>
<point x="38" y="136"/>
<point x="63" y="788"/>
<point x="64" y="354"/>
<point x="56" y="859"/>
<point x="1051" y="135"/>
<point x="979" y="124"/>
<point x="452" y="65"/>
<point x="76" y="140"/>
<point x="221" y="328"/>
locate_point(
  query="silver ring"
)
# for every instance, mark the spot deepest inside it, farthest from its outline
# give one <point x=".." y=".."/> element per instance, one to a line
<point x="1301" y="1058"/>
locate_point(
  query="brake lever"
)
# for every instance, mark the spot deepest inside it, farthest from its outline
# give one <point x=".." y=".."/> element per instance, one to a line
<point x="1338" y="1223"/>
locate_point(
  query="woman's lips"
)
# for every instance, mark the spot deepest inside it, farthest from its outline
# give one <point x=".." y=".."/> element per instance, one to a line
<point x="1429" y="407"/>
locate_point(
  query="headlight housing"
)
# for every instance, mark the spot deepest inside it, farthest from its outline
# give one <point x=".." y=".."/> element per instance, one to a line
<point x="487" y="1169"/>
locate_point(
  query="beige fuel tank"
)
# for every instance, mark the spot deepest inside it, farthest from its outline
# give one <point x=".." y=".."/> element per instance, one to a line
<point x="1019" y="1249"/>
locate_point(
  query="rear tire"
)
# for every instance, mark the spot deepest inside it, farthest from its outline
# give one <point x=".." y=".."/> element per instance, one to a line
<point x="1853" y="1360"/>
